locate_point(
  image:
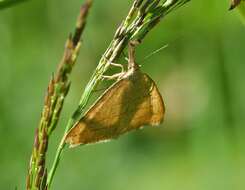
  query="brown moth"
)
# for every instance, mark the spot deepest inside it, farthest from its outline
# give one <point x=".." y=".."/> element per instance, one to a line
<point x="130" y="103"/>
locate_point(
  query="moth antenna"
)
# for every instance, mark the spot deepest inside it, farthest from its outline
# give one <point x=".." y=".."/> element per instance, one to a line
<point x="154" y="52"/>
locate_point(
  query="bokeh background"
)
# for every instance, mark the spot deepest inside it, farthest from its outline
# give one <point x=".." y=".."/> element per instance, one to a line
<point x="201" y="144"/>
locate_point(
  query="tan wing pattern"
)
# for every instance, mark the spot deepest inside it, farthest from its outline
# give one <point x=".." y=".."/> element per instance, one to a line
<point x="129" y="104"/>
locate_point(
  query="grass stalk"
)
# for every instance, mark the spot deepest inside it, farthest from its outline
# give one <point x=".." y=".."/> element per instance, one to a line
<point x="57" y="90"/>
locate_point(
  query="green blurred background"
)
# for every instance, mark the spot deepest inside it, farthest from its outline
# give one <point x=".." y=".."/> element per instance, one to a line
<point x="201" y="144"/>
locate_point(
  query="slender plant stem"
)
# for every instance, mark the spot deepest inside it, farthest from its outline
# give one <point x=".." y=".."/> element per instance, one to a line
<point x="57" y="156"/>
<point x="58" y="88"/>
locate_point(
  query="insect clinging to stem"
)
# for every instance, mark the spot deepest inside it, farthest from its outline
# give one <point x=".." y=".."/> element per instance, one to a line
<point x="130" y="103"/>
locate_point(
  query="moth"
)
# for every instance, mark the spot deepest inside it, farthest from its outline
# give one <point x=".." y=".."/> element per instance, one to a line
<point x="130" y="103"/>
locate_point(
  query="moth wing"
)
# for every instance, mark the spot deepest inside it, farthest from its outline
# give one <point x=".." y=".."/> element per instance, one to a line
<point x="150" y="108"/>
<point x="127" y="105"/>
<point x="158" y="107"/>
<point x="98" y="123"/>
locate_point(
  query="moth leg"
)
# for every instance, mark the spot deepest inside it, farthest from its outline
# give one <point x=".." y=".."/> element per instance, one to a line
<point x="115" y="64"/>
<point x="112" y="77"/>
<point x="118" y="65"/>
<point x="116" y="76"/>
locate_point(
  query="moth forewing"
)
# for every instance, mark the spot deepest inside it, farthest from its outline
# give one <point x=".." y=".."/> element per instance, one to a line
<point x="130" y="103"/>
